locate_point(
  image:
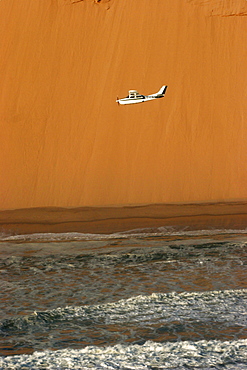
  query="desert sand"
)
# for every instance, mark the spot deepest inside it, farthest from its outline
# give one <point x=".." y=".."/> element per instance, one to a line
<point x="64" y="140"/>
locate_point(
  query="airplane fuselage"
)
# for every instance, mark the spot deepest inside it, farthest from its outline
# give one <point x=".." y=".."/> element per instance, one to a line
<point x="137" y="99"/>
<point x="134" y="97"/>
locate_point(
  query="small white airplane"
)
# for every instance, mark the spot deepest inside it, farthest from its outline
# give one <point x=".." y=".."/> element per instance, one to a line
<point x="134" y="97"/>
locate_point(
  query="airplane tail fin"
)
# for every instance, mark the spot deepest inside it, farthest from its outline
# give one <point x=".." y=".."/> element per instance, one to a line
<point x="162" y="90"/>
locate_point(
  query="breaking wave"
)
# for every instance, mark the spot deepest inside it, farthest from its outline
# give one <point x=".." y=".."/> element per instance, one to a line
<point x="180" y="355"/>
<point x="136" y="233"/>
<point x="159" y="316"/>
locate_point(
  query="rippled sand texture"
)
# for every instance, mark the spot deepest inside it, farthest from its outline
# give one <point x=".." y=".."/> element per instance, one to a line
<point x="64" y="140"/>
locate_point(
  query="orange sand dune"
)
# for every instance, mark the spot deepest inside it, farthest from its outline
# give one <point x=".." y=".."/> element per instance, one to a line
<point x="64" y="140"/>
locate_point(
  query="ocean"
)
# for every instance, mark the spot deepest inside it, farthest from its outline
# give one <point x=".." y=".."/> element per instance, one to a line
<point x="143" y="299"/>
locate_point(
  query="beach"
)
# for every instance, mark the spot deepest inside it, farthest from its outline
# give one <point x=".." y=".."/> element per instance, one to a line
<point x="100" y="220"/>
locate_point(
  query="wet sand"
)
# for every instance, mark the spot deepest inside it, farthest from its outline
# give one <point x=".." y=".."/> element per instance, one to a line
<point x="231" y="215"/>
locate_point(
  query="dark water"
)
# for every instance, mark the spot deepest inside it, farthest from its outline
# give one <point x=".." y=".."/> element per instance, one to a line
<point x="149" y="299"/>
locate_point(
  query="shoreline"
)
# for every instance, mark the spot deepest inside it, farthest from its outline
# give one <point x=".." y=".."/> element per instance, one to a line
<point x="112" y="219"/>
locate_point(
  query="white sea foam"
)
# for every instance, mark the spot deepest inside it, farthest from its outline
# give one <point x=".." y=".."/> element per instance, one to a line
<point x="136" y="233"/>
<point x="178" y="355"/>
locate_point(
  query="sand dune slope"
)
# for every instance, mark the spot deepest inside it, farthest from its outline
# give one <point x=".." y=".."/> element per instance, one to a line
<point x="64" y="140"/>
